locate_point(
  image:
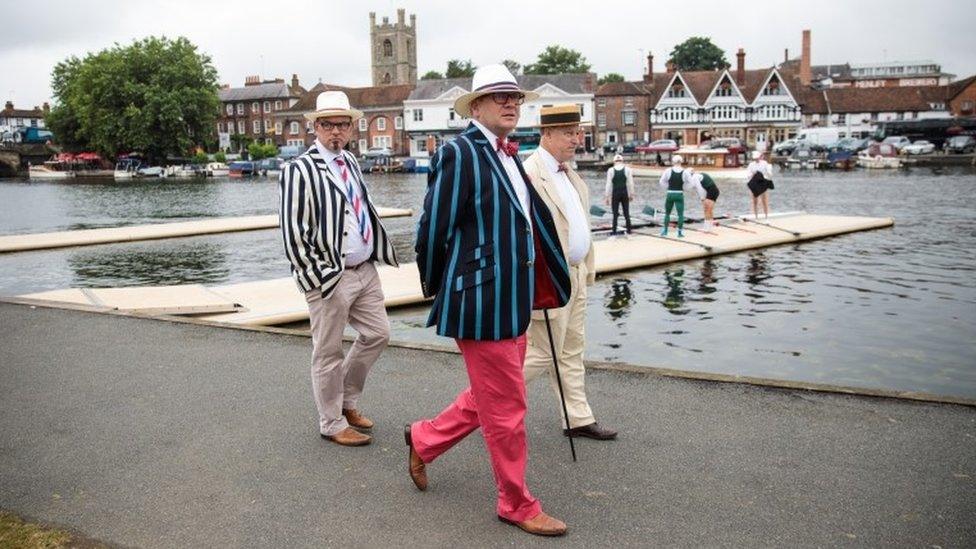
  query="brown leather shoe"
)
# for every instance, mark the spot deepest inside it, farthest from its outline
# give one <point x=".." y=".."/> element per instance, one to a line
<point x="540" y="525"/>
<point x="357" y="420"/>
<point x="349" y="437"/>
<point x="415" y="465"/>
<point x="593" y="431"/>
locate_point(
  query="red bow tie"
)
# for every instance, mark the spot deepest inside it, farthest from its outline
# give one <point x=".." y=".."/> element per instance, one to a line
<point x="508" y="147"/>
<point x="562" y="167"/>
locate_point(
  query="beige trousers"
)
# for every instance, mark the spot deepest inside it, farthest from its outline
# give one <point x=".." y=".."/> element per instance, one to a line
<point x="569" y="339"/>
<point x="337" y="380"/>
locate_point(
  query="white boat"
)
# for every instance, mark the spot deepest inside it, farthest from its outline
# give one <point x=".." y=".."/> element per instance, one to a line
<point x="217" y="169"/>
<point x="719" y="163"/>
<point x="126" y="168"/>
<point x="180" y="171"/>
<point x="152" y="171"/>
<point x="49" y="171"/>
<point x="879" y="156"/>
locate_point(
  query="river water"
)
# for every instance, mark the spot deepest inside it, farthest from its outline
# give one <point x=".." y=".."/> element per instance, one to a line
<point x="892" y="308"/>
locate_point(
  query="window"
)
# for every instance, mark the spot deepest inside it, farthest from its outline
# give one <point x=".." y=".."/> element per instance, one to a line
<point x="451" y="115"/>
<point x="601" y="102"/>
<point x="294" y="128"/>
<point x="387" y="48"/>
<point x="420" y="145"/>
<point x="240" y="109"/>
<point x="418" y="115"/>
<point x="241" y="127"/>
<point x="382" y="141"/>
<point x="308" y="126"/>
<point x="386" y="78"/>
<point x="256" y="126"/>
<point x="601" y="119"/>
<point x="278" y="104"/>
<point x="398" y="123"/>
<point x="629" y="102"/>
<point x="362" y="144"/>
<point x="230" y="109"/>
<point x="278" y="128"/>
<point x="255" y="107"/>
<point x="381" y="124"/>
<point x="362" y="124"/>
<point x="725" y="112"/>
<point x="724" y="90"/>
<point x="677" y="90"/>
<point x="267" y="125"/>
<point x="267" y="106"/>
<point x="630" y="118"/>
<point x="773" y="88"/>
<point x="220" y="127"/>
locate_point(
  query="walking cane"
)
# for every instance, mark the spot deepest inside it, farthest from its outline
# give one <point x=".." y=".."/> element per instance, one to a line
<point x="559" y="383"/>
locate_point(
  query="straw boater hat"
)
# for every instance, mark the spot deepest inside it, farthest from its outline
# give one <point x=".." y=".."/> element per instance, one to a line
<point x="756" y="155"/>
<point x="562" y="115"/>
<point x="617" y="157"/>
<point x="487" y="80"/>
<point x="676" y="159"/>
<point x="333" y="103"/>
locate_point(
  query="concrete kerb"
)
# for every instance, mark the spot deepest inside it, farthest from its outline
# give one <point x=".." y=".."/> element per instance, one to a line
<point x="626" y="368"/>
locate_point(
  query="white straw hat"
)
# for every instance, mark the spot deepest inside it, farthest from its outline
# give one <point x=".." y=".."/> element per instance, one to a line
<point x="489" y="79"/>
<point x="617" y="157"/>
<point x="676" y="159"/>
<point x="333" y="103"/>
<point x="756" y="155"/>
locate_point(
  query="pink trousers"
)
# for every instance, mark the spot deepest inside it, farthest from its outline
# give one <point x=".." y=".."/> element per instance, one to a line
<point x="494" y="401"/>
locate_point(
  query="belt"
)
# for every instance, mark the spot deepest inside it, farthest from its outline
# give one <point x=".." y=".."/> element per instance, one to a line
<point x="356" y="266"/>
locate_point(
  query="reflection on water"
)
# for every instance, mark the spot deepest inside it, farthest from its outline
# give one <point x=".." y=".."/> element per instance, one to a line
<point x="892" y="308"/>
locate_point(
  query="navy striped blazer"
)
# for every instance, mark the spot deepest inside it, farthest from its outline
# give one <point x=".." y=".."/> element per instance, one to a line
<point x="312" y="217"/>
<point x="475" y="247"/>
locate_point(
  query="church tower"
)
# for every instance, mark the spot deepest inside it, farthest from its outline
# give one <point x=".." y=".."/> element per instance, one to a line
<point x="393" y="49"/>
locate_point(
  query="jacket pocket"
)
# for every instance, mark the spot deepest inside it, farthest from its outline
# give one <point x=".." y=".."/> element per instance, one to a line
<point x="479" y="252"/>
<point x="469" y="280"/>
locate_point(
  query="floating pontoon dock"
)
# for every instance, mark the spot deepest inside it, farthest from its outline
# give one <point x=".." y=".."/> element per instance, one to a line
<point x="277" y="301"/>
<point x="88" y="237"/>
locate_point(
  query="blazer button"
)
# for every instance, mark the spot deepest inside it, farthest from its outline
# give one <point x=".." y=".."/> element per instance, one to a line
<point x="529" y="263"/>
<point x="345" y="233"/>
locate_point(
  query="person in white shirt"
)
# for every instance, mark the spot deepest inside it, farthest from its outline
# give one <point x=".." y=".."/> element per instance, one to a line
<point x="759" y="179"/>
<point x="567" y="197"/>
<point x="619" y="191"/>
<point x="674" y="181"/>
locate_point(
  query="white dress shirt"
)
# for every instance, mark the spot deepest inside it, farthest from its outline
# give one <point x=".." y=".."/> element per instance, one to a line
<point x="762" y="167"/>
<point x="356" y="249"/>
<point x="510" y="167"/>
<point x="579" y="229"/>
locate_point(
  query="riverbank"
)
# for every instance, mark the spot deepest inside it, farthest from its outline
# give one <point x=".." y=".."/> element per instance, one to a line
<point x="151" y="433"/>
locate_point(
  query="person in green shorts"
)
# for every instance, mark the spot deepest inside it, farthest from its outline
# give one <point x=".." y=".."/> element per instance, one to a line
<point x="708" y="193"/>
<point x="673" y="181"/>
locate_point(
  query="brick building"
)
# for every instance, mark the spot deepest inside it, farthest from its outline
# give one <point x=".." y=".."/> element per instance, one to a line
<point x="622" y="112"/>
<point x="23" y="118"/>
<point x="961" y="97"/>
<point x="250" y="111"/>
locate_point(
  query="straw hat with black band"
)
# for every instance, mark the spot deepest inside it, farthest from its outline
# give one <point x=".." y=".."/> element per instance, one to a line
<point x="562" y="115"/>
<point x="486" y="81"/>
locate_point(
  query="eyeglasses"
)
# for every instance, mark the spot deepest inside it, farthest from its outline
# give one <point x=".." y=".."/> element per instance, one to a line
<point x="501" y="98"/>
<point x="327" y="126"/>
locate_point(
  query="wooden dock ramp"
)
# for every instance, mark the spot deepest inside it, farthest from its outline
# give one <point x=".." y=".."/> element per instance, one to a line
<point x="278" y="301"/>
<point x="89" y="237"/>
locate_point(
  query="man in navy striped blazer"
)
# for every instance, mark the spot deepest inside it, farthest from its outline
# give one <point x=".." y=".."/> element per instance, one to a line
<point x="333" y="236"/>
<point x="488" y="252"/>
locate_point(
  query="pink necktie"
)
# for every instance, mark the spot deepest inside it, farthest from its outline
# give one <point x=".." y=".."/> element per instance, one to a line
<point x="357" y="204"/>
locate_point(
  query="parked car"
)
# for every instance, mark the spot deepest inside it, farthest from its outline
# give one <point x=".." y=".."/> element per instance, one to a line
<point x="897" y="141"/>
<point x="848" y="144"/>
<point x="659" y="146"/>
<point x="960" y="144"/>
<point x="376" y="152"/>
<point x="733" y="144"/>
<point x="919" y="147"/>
<point x="630" y="147"/>
<point x="785" y="147"/>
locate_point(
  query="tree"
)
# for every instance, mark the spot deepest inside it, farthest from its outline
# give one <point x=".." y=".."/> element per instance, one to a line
<point x="610" y="77"/>
<point x="432" y="75"/>
<point x="459" y="69"/>
<point x="513" y="66"/>
<point x="157" y="96"/>
<point x="557" y="60"/>
<point x="257" y="151"/>
<point x="698" y="54"/>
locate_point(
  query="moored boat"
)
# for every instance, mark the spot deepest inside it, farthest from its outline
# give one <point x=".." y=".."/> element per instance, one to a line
<point x="720" y="163"/>
<point x="217" y="169"/>
<point x="126" y="168"/>
<point x="243" y="169"/>
<point x="49" y="170"/>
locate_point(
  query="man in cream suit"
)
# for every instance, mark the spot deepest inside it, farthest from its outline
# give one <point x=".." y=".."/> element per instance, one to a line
<point x="567" y="197"/>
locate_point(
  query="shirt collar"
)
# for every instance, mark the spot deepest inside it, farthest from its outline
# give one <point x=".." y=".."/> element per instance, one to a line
<point x="492" y="138"/>
<point x="548" y="159"/>
<point x="326" y="153"/>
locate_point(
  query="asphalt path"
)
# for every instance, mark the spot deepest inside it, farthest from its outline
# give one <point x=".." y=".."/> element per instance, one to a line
<point x="148" y="433"/>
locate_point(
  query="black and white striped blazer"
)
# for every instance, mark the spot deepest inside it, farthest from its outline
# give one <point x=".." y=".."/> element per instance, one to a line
<point x="312" y="216"/>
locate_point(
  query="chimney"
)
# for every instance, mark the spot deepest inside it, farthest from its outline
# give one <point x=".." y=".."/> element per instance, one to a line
<point x="669" y="67"/>
<point x="806" y="76"/>
<point x="401" y="16"/>
<point x="46" y="107"/>
<point x="413" y="20"/>
<point x="740" y="67"/>
<point x="294" y="81"/>
<point x="786" y="55"/>
<point x="9" y="106"/>
<point x="253" y="80"/>
<point x="649" y="77"/>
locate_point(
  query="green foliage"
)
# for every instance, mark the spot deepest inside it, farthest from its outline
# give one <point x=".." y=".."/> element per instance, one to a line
<point x="239" y="141"/>
<point x="220" y="157"/>
<point x="200" y="158"/>
<point x="458" y="69"/>
<point x="257" y="151"/>
<point x="557" y="60"/>
<point x="610" y="77"/>
<point x="513" y="66"/>
<point x="157" y="96"/>
<point x="698" y="53"/>
<point x="432" y="75"/>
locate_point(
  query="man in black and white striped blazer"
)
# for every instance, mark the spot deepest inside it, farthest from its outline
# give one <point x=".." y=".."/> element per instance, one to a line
<point x="332" y="237"/>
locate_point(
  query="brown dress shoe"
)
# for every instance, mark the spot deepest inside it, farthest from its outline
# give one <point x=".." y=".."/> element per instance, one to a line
<point x="540" y="525"/>
<point x="357" y="420"/>
<point x="349" y="437"/>
<point x="593" y="431"/>
<point x="416" y="466"/>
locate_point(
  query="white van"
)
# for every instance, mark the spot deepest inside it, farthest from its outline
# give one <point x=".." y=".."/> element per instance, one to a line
<point x="821" y="136"/>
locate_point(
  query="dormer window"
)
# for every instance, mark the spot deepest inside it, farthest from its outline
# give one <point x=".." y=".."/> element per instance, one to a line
<point x="677" y="90"/>
<point x="724" y="90"/>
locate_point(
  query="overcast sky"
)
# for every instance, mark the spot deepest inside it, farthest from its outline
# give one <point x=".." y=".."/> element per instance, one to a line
<point x="327" y="40"/>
